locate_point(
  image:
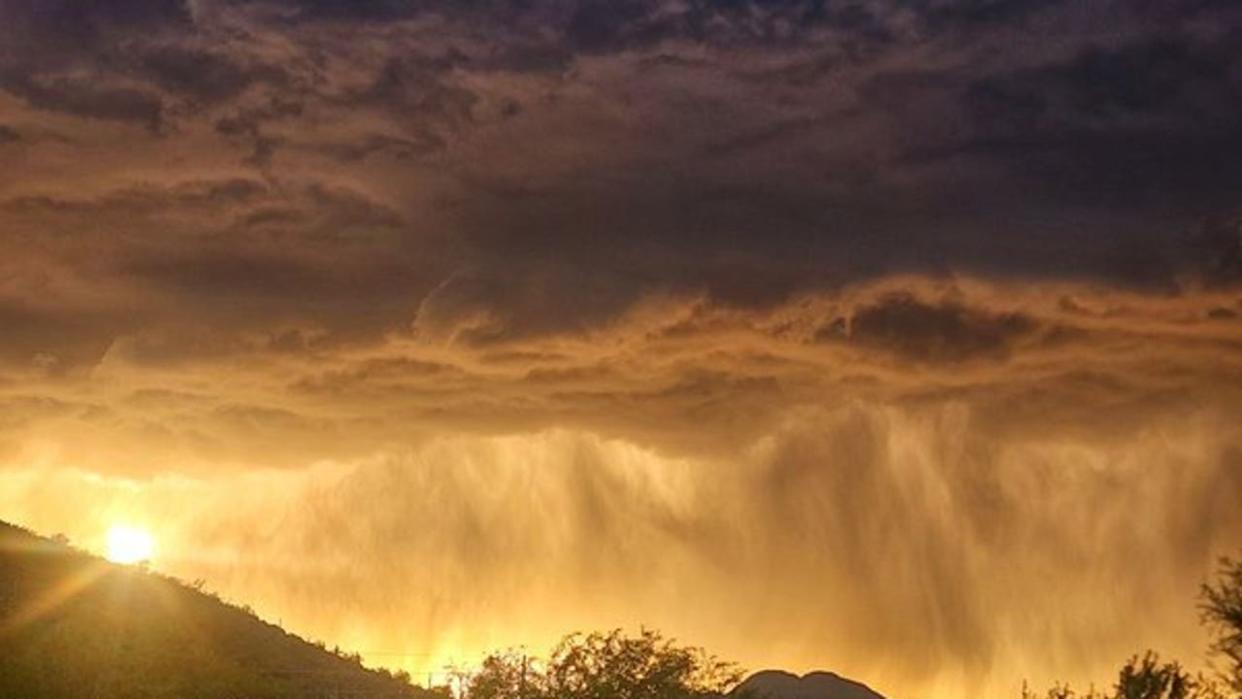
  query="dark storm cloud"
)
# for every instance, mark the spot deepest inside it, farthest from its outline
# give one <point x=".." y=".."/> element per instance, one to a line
<point x="203" y="74"/>
<point x="56" y="340"/>
<point x="916" y="331"/>
<point x="230" y="274"/>
<point x="86" y="99"/>
<point x="1218" y="251"/>
<point x="1151" y="120"/>
<point x="75" y="26"/>
<point x="143" y="199"/>
<point x="413" y="89"/>
<point x="548" y="165"/>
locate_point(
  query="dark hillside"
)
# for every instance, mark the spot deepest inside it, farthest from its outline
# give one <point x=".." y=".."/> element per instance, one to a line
<point x="74" y="626"/>
<point x="776" y="684"/>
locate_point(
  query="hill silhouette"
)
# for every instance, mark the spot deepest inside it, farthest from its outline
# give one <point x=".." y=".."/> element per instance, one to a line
<point x="777" y="684"/>
<point x="74" y="626"/>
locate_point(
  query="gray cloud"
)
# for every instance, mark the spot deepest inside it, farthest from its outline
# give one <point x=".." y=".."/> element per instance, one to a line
<point x="900" y="150"/>
<point x="919" y="332"/>
<point x="1079" y="125"/>
<point x="87" y="99"/>
<point x="203" y="74"/>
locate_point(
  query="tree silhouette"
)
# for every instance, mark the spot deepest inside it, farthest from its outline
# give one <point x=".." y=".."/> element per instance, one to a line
<point x="1147" y="677"/>
<point x="1221" y="605"/>
<point x="1144" y="677"/>
<point x="608" y="665"/>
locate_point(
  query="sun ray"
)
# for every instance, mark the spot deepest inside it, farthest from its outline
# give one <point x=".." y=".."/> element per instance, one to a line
<point x="54" y="597"/>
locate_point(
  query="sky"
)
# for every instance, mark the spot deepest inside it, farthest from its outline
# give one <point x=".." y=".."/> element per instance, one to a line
<point x="901" y="339"/>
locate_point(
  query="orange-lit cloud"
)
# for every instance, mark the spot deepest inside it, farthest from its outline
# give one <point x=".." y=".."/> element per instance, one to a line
<point x="925" y="482"/>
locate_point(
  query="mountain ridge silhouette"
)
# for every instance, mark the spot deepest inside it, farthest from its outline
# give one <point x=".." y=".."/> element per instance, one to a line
<point x="820" y="684"/>
<point x="73" y="625"/>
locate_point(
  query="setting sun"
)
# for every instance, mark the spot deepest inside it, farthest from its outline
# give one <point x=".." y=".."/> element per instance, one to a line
<point x="129" y="545"/>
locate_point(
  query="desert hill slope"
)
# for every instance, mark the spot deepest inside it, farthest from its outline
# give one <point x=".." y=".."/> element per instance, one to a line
<point x="74" y="626"/>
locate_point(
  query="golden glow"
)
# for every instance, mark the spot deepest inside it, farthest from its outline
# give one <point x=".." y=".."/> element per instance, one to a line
<point x="934" y="545"/>
<point x="129" y="545"/>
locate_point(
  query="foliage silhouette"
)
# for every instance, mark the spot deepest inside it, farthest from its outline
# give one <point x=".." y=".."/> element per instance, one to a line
<point x="1147" y="677"/>
<point x="608" y="665"/>
<point x="1221" y="605"/>
<point x="1144" y="677"/>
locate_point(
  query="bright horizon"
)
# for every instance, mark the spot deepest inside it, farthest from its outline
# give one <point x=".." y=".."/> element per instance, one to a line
<point x="301" y="592"/>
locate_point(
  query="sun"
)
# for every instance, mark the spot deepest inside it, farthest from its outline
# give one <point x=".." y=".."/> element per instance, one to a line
<point x="129" y="545"/>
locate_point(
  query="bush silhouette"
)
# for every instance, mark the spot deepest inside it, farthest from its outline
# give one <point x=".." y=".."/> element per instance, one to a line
<point x="608" y="665"/>
<point x="1146" y="677"/>
<point x="1221" y="605"/>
